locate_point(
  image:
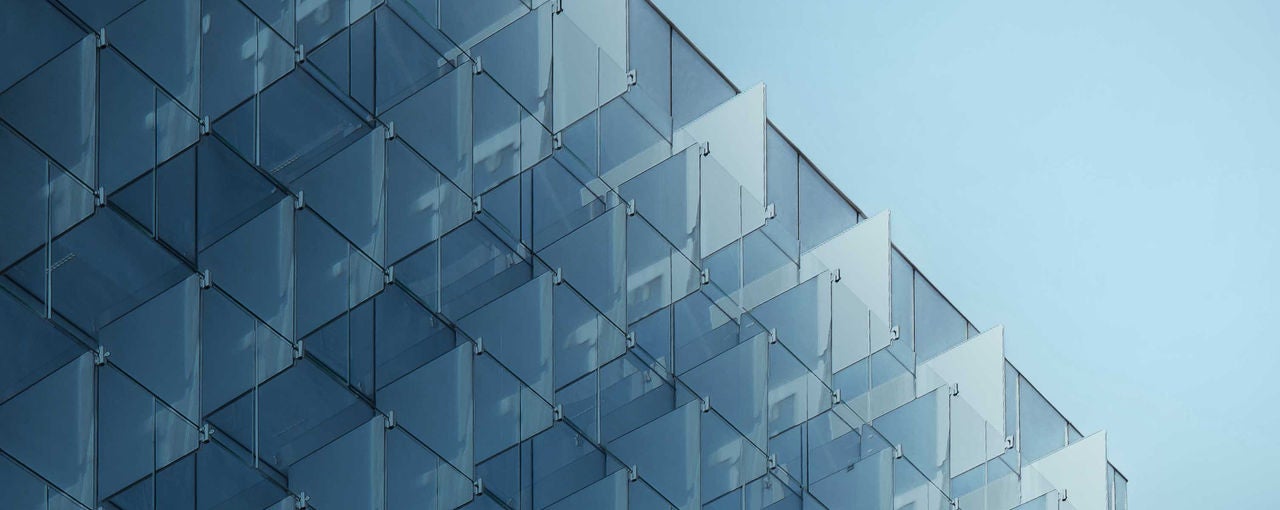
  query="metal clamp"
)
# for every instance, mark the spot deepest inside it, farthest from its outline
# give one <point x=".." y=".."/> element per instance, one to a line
<point x="101" y="37"/>
<point x="100" y="356"/>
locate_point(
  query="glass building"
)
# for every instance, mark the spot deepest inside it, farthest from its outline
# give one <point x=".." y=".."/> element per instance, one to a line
<point x="432" y="254"/>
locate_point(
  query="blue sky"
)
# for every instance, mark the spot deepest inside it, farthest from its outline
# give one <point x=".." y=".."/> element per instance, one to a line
<point x="1101" y="177"/>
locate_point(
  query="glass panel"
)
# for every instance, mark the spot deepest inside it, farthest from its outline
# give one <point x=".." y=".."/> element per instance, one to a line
<point x="347" y="190"/>
<point x="436" y="122"/>
<point x="516" y="328"/>
<point x="53" y="106"/>
<point x="938" y="325"/>
<point x="163" y="38"/>
<point x="650" y="56"/>
<point x="696" y="87"/>
<point x="497" y="137"/>
<point x="593" y="260"/>
<point x="519" y="58"/>
<point x="50" y="428"/>
<point x="867" y="483"/>
<point x="255" y="265"/>
<point x="666" y="451"/>
<point x="157" y="343"/>
<point x="434" y="404"/>
<point x="1042" y="429"/>
<point x="823" y="212"/>
<point x="471" y="21"/>
<point x="346" y="473"/>
<point x="673" y="210"/>
<point x="802" y="319"/>
<point x="728" y="459"/>
<point x="43" y="32"/>
<point x="743" y="398"/>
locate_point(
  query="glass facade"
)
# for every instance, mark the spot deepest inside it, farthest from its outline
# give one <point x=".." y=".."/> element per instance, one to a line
<point x="394" y="254"/>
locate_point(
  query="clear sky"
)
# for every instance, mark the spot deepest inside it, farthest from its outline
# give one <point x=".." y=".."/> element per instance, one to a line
<point x="1100" y="176"/>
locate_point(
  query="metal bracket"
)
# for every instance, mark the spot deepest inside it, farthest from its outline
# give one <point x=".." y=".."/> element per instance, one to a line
<point x="477" y="487"/>
<point x="479" y="348"/>
<point x="558" y="277"/>
<point x="557" y="141"/>
<point x="704" y="277"/>
<point x="206" y="279"/>
<point x="835" y="275"/>
<point x="633" y="473"/>
<point x="390" y="422"/>
<point x="835" y="396"/>
<point x="476" y="206"/>
<point x="955" y="389"/>
<point x="100" y="197"/>
<point x="557" y="6"/>
<point x="300" y="501"/>
<point x="204" y="126"/>
<point x="389" y="276"/>
<point x="631" y="207"/>
<point x="557" y="413"/>
<point x="773" y="335"/>
<point x="706" y="404"/>
<point x="298" y="350"/>
<point x="897" y="451"/>
<point x="1008" y="442"/>
<point x="100" y="356"/>
<point x="704" y="148"/>
<point x="631" y="340"/>
<point x="390" y="133"/>
<point x="632" y="78"/>
<point x="894" y="334"/>
<point x="299" y="202"/>
<point x="770" y="212"/>
<point x="101" y="38"/>
<point x="1062" y="496"/>
<point x="955" y="504"/>
<point x="477" y="67"/>
<point x="299" y="54"/>
<point x="206" y="433"/>
<point x="773" y="461"/>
